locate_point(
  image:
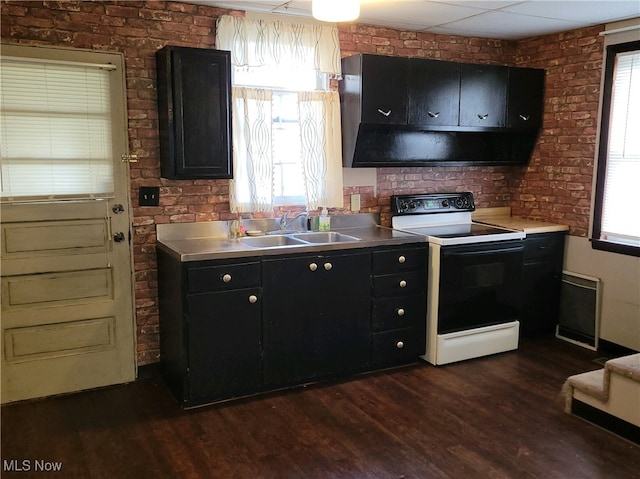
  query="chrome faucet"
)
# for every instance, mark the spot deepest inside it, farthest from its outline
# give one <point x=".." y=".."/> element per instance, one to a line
<point x="285" y="220"/>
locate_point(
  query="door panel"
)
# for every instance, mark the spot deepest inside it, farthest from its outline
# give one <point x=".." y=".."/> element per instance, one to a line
<point x="67" y="286"/>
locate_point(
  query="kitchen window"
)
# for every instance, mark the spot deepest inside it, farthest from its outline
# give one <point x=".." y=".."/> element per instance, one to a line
<point x="286" y="120"/>
<point x="616" y="222"/>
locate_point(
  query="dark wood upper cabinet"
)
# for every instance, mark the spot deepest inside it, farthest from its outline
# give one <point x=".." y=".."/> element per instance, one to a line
<point x="434" y="92"/>
<point x="525" y="100"/>
<point x="194" y="113"/>
<point x="483" y="95"/>
<point x="383" y="89"/>
<point x="417" y="112"/>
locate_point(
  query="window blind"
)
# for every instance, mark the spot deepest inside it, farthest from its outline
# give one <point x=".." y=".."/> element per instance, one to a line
<point x="621" y="222"/>
<point x="55" y="131"/>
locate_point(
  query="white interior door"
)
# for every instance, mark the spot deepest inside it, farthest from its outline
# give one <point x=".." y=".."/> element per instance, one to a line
<point x="66" y="256"/>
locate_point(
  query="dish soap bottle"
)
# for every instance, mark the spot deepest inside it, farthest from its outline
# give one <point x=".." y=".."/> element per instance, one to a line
<point x="324" y="223"/>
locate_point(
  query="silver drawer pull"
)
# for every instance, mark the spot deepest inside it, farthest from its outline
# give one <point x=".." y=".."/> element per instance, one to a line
<point x="525" y="118"/>
<point x="328" y="266"/>
<point x="401" y="259"/>
<point x="483" y="117"/>
<point x="226" y="278"/>
<point x="400" y="312"/>
<point x="385" y="113"/>
<point x="313" y="266"/>
<point x="399" y="345"/>
<point x="403" y="283"/>
<point x="434" y="115"/>
<point x="253" y="298"/>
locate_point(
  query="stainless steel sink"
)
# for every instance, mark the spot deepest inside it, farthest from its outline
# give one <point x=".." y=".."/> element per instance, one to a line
<point x="325" y="237"/>
<point x="274" y="241"/>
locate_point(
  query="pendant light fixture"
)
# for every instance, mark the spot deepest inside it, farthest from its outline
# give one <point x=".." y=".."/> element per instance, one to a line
<point x="335" y="10"/>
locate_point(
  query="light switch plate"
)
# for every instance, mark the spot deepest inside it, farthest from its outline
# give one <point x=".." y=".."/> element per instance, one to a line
<point x="355" y="202"/>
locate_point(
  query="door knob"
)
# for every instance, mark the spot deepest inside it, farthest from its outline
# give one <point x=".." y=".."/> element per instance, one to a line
<point x="119" y="237"/>
<point x="118" y="208"/>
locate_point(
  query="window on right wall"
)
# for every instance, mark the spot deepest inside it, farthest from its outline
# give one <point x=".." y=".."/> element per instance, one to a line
<point x="616" y="218"/>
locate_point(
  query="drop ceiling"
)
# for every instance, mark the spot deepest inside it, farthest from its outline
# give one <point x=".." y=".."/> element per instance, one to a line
<point x="507" y="20"/>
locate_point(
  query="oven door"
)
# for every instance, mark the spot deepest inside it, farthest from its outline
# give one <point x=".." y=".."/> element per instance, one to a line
<point x="480" y="285"/>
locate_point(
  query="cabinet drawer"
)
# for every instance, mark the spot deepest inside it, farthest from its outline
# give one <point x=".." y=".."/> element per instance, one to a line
<point x="400" y="345"/>
<point x="223" y="277"/>
<point x="400" y="283"/>
<point x="395" y="260"/>
<point x="544" y="245"/>
<point x="399" y="312"/>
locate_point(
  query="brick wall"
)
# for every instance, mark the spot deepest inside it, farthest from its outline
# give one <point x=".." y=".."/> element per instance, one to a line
<point x="555" y="186"/>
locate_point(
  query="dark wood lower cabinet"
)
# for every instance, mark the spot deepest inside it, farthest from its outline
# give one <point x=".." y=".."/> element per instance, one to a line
<point x="542" y="281"/>
<point x="224" y="344"/>
<point x="236" y="327"/>
<point x="316" y="317"/>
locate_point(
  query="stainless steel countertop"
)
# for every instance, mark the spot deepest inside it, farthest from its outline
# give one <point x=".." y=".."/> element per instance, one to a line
<point x="216" y="247"/>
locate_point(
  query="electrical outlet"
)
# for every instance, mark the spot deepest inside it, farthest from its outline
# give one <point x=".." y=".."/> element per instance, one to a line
<point x="355" y="202"/>
<point x="149" y="196"/>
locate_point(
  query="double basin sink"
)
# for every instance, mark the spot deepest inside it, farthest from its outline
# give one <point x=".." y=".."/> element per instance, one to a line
<point x="297" y="239"/>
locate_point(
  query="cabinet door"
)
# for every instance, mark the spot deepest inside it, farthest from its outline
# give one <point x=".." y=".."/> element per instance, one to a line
<point x="316" y="317"/>
<point x="434" y="92"/>
<point x="384" y="89"/>
<point x="224" y="344"/>
<point x="483" y="95"/>
<point x="194" y="103"/>
<point x="542" y="281"/>
<point x="525" y="102"/>
<point x="542" y="278"/>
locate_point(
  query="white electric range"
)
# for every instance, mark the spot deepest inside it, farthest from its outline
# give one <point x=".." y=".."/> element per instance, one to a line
<point x="475" y="276"/>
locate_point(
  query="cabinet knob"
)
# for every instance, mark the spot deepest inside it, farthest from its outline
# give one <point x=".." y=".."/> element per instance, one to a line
<point x="403" y="283"/>
<point x="328" y="266"/>
<point x="401" y="259"/>
<point x="313" y="266"/>
<point x="253" y="298"/>
<point x="399" y="345"/>
<point x="433" y="115"/>
<point x="226" y="278"/>
<point x="400" y="312"/>
<point x="385" y="113"/>
<point x="483" y="117"/>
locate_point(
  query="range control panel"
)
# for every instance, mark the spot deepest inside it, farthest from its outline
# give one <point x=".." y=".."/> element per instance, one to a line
<point x="431" y="203"/>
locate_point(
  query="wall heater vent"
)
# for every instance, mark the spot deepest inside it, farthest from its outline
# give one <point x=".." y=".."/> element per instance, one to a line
<point x="579" y="318"/>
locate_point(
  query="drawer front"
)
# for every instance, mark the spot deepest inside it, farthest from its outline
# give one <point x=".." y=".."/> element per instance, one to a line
<point x="544" y="245"/>
<point x="396" y="260"/>
<point x="399" y="312"/>
<point x="400" y="283"/>
<point x="223" y="277"/>
<point x="401" y="345"/>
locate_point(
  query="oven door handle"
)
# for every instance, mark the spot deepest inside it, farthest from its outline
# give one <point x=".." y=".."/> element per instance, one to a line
<point x="507" y="250"/>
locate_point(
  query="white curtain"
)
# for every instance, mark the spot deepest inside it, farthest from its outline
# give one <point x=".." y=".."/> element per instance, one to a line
<point x="270" y="55"/>
<point x="251" y="189"/>
<point x="321" y="140"/>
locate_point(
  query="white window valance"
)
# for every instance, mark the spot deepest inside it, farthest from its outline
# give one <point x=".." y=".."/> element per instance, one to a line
<point x="256" y="43"/>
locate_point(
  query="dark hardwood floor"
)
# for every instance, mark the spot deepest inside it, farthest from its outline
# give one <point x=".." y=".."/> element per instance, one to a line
<point x="495" y="417"/>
